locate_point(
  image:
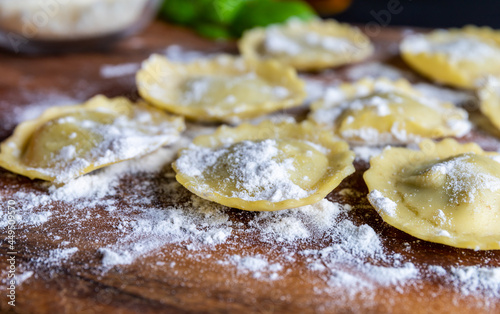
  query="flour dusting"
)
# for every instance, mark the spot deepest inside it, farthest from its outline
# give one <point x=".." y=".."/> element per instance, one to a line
<point x="118" y="70"/>
<point x="252" y="167"/>
<point x="464" y="180"/>
<point x="455" y="47"/>
<point x="136" y="214"/>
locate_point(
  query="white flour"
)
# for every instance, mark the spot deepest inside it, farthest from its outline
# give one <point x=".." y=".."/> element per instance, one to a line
<point x="14" y="115"/>
<point x="464" y="181"/>
<point x="383" y="203"/>
<point x="23" y="277"/>
<point x="174" y="53"/>
<point x="354" y="260"/>
<point x="457" y="97"/>
<point x="160" y="213"/>
<point x="293" y="41"/>
<point x="251" y="166"/>
<point x="365" y="153"/>
<point x="376" y="70"/>
<point x="119" y="70"/>
<point x="56" y="256"/>
<point x="335" y="103"/>
<point x="122" y="138"/>
<point x="457" y="48"/>
<point x="177" y="53"/>
<point x="258" y="266"/>
<point x="315" y="89"/>
<point x="474" y="280"/>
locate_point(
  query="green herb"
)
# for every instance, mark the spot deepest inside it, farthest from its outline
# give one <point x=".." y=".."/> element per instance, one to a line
<point x="266" y="12"/>
<point x="222" y="19"/>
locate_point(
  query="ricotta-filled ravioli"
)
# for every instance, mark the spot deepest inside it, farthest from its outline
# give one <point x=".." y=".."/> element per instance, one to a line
<point x="447" y="193"/>
<point x="457" y="57"/>
<point x="264" y="167"/>
<point x="307" y="45"/>
<point x="224" y="88"/>
<point x="380" y="111"/>
<point x="489" y="96"/>
<point x="69" y="141"/>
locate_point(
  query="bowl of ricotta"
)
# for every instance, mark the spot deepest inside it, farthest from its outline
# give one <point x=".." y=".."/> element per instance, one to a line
<point x="45" y="26"/>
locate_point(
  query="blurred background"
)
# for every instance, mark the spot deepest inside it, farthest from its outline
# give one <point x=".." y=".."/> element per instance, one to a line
<point x="424" y="13"/>
<point x="59" y="25"/>
<point x="226" y="18"/>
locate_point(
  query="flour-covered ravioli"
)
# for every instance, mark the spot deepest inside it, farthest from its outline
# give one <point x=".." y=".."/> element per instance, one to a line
<point x="457" y="57"/>
<point x="66" y="142"/>
<point x="447" y="193"/>
<point x="224" y="88"/>
<point x="380" y="111"/>
<point x="489" y="96"/>
<point x="264" y="167"/>
<point x="311" y="45"/>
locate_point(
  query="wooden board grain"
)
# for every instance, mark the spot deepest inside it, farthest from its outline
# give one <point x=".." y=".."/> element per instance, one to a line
<point x="199" y="284"/>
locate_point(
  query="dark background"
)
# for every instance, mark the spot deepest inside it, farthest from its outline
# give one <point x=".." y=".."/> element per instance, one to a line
<point x="425" y="13"/>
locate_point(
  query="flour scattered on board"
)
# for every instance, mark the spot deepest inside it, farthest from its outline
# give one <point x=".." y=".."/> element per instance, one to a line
<point x="160" y="212"/>
<point x="258" y="266"/>
<point x="376" y="70"/>
<point x="342" y="254"/>
<point x="365" y="153"/>
<point x="119" y="70"/>
<point x="173" y="52"/>
<point x="179" y="54"/>
<point x="23" y="277"/>
<point x="37" y="104"/>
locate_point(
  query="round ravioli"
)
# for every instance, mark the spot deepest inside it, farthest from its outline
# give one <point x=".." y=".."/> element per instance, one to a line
<point x="264" y="167"/>
<point x="69" y="141"/>
<point x="307" y="45"/>
<point x="380" y="111"/>
<point x="457" y="57"/>
<point x="224" y="88"/>
<point x="447" y="193"/>
<point x="489" y="96"/>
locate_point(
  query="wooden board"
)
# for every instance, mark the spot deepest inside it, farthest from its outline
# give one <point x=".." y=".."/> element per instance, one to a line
<point x="198" y="282"/>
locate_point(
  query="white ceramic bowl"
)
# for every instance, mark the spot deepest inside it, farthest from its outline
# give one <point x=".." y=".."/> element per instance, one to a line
<point x="54" y="26"/>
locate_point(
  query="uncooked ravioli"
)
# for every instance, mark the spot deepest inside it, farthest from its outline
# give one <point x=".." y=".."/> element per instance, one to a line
<point x="489" y="96"/>
<point x="447" y="193"/>
<point x="66" y="142"/>
<point x="264" y="167"/>
<point x="380" y="111"/>
<point x="457" y="57"/>
<point x="224" y="88"/>
<point x="311" y="45"/>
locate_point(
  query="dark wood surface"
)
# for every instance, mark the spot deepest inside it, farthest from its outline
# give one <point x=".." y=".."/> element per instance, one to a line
<point x="200" y="284"/>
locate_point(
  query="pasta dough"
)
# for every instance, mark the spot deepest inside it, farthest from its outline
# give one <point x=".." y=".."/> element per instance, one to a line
<point x="382" y="111"/>
<point x="264" y="167"/>
<point x="489" y="96"/>
<point x="311" y="45"/>
<point x="446" y="193"/>
<point x="66" y="142"/>
<point x="221" y="89"/>
<point x="458" y="57"/>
